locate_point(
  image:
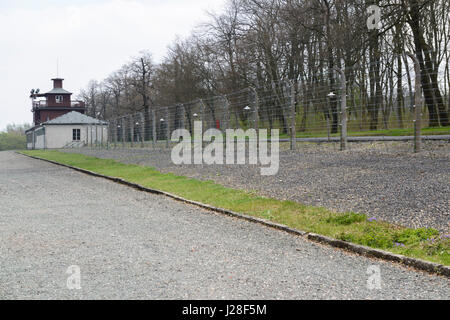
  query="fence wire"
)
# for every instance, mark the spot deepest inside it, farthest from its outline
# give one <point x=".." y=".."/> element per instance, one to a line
<point x="299" y="108"/>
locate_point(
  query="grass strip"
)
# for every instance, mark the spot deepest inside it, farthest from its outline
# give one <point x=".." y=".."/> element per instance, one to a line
<point x="428" y="131"/>
<point x="422" y="243"/>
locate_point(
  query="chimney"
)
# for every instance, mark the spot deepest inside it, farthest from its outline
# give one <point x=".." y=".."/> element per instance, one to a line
<point x="57" y="83"/>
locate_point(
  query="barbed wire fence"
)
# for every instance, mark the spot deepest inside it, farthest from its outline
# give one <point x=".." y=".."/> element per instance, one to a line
<point x="320" y="109"/>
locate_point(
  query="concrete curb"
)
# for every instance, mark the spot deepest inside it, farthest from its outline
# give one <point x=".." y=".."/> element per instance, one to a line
<point x="415" y="263"/>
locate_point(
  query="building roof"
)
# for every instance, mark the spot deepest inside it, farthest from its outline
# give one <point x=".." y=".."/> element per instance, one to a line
<point x="58" y="91"/>
<point x="74" y="117"/>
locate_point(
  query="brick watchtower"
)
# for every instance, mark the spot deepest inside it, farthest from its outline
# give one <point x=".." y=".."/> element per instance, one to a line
<point x="56" y="103"/>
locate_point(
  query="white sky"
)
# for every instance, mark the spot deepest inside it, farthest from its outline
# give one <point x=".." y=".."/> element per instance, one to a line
<point x="90" y="38"/>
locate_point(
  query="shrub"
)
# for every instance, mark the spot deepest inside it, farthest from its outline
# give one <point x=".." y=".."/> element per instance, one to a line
<point x="12" y="141"/>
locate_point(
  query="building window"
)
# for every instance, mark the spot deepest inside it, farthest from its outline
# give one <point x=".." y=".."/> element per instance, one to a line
<point x="59" y="99"/>
<point x="76" y="134"/>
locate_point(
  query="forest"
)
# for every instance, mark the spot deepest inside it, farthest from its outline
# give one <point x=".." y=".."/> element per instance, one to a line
<point x="13" y="137"/>
<point x="276" y="50"/>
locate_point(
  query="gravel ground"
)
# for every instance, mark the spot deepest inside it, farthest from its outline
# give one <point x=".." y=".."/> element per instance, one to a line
<point x="382" y="179"/>
<point x="131" y="244"/>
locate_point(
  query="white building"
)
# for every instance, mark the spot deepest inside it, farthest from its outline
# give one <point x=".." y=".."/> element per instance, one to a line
<point x="70" y="130"/>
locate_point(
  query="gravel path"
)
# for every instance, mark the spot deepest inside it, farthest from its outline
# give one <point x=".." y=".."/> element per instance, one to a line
<point x="382" y="180"/>
<point x="130" y="244"/>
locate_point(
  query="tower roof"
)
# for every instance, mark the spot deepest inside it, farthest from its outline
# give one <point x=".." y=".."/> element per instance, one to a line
<point x="58" y="91"/>
<point x="74" y="117"/>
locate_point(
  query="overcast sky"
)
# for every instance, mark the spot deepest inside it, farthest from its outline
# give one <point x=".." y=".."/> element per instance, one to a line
<point x="90" y="39"/>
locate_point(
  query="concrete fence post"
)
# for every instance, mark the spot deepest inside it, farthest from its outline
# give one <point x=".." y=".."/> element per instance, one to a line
<point x="108" y="135"/>
<point x="115" y="132"/>
<point x="96" y="135"/>
<point x="131" y="131"/>
<point x="183" y="117"/>
<point x="328" y="127"/>
<point x="343" y="109"/>
<point x="417" y="104"/>
<point x="109" y="139"/>
<point x="154" y="128"/>
<point x="226" y="113"/>
<point x="102" y="127"/>
<point x="90" y="131"/>
<point x="149" y="125"/>
<point x="226" y="117"/>
<point x="256" y="114"/>
<point x="123" y="124"/>
<point x="293" y="116"/>
<point x="142" y="129"/>
<point x="167" y="127"/>
<point x="202" y="115"/>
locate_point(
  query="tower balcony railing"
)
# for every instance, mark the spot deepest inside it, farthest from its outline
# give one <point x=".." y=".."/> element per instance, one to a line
<point x="44" y="103"/>
<point x="40" y="104"/>
<point x="77" y="104"/>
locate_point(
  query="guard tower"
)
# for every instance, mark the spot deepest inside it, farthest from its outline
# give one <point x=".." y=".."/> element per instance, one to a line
<point x="55" y="103"/>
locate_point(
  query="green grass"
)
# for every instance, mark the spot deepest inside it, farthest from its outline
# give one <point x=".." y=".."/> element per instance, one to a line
<point x="424" y="243"/>
<point x="402" y="132"/>
<point x="389" y="132"/>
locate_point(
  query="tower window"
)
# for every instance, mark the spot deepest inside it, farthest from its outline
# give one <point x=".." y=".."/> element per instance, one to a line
<point x="59" y="99"/>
